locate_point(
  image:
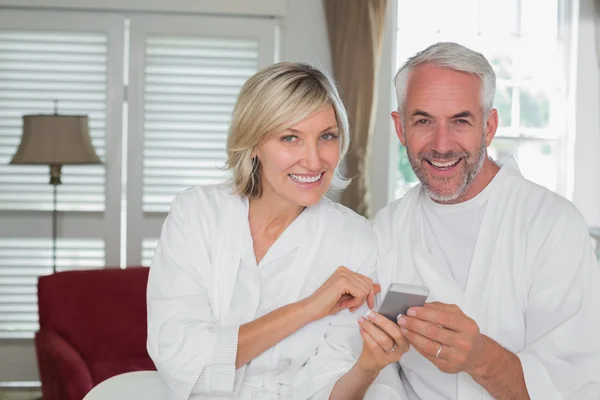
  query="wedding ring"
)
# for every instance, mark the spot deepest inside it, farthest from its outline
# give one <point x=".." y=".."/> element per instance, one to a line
<point x="392" y="349"/>
<point x="439" y="351"/>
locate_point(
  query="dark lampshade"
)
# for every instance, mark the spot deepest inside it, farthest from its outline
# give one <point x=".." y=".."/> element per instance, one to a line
<point x="55" y="140"/>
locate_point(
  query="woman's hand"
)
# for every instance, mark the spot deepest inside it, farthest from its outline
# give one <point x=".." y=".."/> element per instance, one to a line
<point x="383" y="343"/>
<point x="343" y="289"/>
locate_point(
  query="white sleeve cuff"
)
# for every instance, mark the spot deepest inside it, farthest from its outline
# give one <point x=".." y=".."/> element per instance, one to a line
<point x="219" y="374"/>
<point x="537" y="380"/>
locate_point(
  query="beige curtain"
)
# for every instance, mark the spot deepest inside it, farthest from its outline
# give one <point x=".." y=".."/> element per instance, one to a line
<point x="355" y="29"/>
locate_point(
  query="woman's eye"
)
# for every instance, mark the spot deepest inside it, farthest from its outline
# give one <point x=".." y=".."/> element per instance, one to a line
<point x="289" y="139"/>
<point x="329" y="136"/>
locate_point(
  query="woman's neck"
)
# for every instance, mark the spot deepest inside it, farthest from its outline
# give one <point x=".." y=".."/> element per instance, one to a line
<point x="271" y="216"/>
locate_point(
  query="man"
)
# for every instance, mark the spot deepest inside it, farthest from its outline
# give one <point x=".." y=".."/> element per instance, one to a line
<point x="513" y="310"/>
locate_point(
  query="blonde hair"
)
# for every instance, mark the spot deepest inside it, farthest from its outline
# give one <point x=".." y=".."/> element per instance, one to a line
<point x="271" y="101"/>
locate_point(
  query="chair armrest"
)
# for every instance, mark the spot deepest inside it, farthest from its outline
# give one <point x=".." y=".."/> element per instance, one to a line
<point x="63" y="373"/>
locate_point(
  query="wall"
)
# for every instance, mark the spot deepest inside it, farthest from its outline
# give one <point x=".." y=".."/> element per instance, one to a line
<point x="224" y="7"/>
<point x="17" y="361"/>
<point x="304" y="34"/>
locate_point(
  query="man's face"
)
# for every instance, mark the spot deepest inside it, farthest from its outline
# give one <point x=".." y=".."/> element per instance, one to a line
<point x="444" y="131"/>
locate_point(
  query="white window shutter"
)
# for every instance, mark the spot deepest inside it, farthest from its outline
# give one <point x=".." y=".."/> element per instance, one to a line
<point x="36" y="68"/>
<point x="183" y="83"/>
<point x="77" y="59"/>
<point x="190" y="87"/>
<point x="148" y="249"/>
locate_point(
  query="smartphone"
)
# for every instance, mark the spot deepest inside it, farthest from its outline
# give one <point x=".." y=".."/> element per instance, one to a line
<point x="400" y="297"/>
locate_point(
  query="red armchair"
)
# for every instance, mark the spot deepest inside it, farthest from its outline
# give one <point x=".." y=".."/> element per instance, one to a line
<point x="92" y="327"/>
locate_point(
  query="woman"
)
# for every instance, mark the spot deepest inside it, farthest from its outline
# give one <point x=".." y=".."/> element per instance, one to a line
<point x="254" y="282"/>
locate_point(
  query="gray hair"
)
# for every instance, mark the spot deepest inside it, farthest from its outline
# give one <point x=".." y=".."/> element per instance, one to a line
<point x="452" y="56"/>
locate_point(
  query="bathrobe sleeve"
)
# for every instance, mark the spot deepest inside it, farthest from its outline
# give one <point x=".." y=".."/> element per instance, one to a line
<point x="561" y="359"/>
<point x="191" y="350"/>
<point x="339" y="349"/>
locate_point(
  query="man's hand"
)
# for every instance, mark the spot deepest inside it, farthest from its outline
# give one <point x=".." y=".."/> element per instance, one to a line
<point x="452" y="342"/>
<point x="445" y="336"/>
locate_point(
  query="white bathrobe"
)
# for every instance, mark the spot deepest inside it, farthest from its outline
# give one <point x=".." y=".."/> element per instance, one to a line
<point x="533" y="286"/>
<point x="191" y="285"/>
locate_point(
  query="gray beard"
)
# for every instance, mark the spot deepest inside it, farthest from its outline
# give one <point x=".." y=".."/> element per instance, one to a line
<point x="471" y="172"/>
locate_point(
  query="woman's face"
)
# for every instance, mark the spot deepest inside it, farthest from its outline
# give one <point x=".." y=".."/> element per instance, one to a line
<point x="297" y="165"/>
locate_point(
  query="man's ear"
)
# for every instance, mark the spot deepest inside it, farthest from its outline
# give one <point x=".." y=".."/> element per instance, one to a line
<point x="399" y="127"/>
<point x="491" y="125"/>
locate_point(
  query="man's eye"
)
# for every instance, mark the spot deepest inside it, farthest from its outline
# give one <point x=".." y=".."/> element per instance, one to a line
<point x="462" y="121"/>
<point x="422" y="121"/>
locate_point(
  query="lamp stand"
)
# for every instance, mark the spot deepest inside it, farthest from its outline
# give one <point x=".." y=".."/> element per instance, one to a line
<point x="55" y="170"/>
